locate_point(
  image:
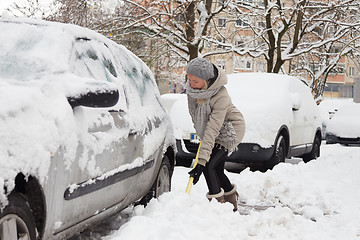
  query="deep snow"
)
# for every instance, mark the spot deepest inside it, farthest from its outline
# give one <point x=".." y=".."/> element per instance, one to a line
<point x="318" y="200"/>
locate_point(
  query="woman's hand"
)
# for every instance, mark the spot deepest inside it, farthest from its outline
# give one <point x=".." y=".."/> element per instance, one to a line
<point x="196" y="172"/>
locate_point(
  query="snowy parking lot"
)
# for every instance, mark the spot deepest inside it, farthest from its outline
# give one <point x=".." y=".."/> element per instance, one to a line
<point x="318" y="200"/>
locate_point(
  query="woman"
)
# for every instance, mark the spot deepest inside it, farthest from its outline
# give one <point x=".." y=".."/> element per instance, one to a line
<point x="219" y="125"/>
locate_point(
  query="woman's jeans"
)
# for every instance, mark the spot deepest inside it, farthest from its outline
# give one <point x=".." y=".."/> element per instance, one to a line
<point x="214" y="171"/>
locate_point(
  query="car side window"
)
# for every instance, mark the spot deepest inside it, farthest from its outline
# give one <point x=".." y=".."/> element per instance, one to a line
<point x="91" y="58"/>
<point x="135" y="71"/>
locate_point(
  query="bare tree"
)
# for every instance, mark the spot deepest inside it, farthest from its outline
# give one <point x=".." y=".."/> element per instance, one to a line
<point x="283" y="32"/>
<point x="292" y="36"/>
<point x="30" y="8"/>
<point x="80" y="12"/>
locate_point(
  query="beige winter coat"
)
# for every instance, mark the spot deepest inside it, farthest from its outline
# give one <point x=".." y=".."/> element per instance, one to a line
<point x="222" y="110"/>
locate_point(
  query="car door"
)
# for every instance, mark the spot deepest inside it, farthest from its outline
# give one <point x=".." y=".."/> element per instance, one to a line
<point x="302" y="129"/>
<point x="102" y="173"/>
<point x="146" y="111"/>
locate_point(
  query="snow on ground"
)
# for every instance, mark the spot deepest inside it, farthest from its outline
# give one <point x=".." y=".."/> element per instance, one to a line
<point x="318" y="200"/>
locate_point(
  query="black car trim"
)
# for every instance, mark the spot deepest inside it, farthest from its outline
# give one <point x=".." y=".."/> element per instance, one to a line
<point x="299" y="150"/>
<point x="243" y="154"/>
<point x="99" y="183"/>
<point x="332" y="139"/>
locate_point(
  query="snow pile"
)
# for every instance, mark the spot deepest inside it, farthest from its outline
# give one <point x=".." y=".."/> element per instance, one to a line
<point x="318" y="200"/>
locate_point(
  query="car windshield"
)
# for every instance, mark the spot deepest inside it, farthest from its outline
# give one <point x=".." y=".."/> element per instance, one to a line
<point x="14" y="67"/>
<point x="27" y="51"/>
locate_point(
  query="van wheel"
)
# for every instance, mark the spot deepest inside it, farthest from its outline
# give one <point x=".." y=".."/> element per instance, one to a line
<point x="315" y="151"/>
<point x="278" y="155"/>
<point x="16" y="220"/>
<point x="162" y="182"/>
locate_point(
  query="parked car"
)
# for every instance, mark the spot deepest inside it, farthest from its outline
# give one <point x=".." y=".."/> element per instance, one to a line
<point x="281" y="116"/>
<point x="344" y="127"/>
<point x="83" y="133"/>
<point x="328" y="107"/>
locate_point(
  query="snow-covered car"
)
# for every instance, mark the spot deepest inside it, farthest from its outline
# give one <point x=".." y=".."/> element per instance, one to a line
<point x="83" y="133"/>
<point x="328" y="107"/>
<point x="344" y="127"/>
<point x="281" y="116"/>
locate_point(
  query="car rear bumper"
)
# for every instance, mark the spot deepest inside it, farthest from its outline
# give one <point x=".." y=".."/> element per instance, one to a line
<point x="246" y="153"/>
<point x="331" y="139"/>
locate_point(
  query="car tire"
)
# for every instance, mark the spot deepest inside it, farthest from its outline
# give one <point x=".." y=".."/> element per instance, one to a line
<point x="315" y="151"/>
<point x="16" y="220"/>
<point x="278" y="155"/>
<point x="162" y="182"/>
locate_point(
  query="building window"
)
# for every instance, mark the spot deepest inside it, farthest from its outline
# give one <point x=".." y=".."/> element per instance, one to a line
<point x="260" y="67"/>
<point x="261" y="24"/>
<point x="207" y="44"/>
<point x="331" y="29"/>
<point x="240" y="44"/>
<point x="351" y="71"/>
<point x="243" y="63"/>
<point x="221" y="40"/>
<point x="332" y="87"/>
<point x="180" y="18"/>
<point x="241" y="23"/>
<point x="221" y="22"/>
<point x="337" y="49"/>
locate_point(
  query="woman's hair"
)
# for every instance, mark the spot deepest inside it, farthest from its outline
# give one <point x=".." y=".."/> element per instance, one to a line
<point x="206" y="85"/>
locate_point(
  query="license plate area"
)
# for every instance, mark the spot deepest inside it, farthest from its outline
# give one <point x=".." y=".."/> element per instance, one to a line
<point x="194" y="138"/>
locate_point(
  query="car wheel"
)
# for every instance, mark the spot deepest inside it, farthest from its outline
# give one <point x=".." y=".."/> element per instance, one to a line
<point x="278" y="155"/>
<point x="16" y="220"/>
<point x="315" y="151"/>
<point x="162" y="182"/>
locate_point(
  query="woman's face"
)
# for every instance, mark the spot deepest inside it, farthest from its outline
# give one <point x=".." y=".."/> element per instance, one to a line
<point x="196" y="82"/>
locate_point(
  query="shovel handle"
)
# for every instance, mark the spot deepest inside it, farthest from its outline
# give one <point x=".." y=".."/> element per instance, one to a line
<point x="191" y="179"/>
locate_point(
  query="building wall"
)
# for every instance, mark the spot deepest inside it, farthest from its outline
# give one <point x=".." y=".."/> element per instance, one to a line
<point x="357" y="90"/>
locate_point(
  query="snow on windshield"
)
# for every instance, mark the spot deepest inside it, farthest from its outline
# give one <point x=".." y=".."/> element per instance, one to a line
<point x="29" y="51"/>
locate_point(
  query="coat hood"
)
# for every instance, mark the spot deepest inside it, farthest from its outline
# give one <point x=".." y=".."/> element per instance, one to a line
<point x="221" y="79"/>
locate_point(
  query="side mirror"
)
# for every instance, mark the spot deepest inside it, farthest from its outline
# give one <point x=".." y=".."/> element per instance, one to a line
<point x="296" y="106"/>
<point x="296" y="101"/>
<point x="97" y="99"/>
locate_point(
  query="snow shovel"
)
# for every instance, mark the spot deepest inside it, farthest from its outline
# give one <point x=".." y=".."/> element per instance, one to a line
<point x="191" y="179"/>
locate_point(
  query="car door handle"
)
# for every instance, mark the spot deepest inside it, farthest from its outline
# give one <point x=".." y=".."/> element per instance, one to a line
<point x="116" y="111"/>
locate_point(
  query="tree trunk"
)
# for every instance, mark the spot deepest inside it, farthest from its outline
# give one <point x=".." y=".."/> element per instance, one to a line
<point x="190" y="31"/>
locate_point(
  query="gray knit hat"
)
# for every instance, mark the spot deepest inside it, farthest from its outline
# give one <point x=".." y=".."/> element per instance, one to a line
<point x="202" y="68"/>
